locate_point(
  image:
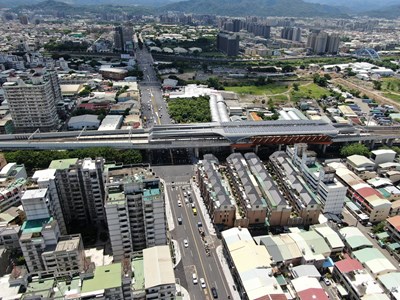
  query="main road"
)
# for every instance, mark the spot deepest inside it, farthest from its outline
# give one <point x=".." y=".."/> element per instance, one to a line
<point x="154" y="107"/>
<point x="194" y="256"/>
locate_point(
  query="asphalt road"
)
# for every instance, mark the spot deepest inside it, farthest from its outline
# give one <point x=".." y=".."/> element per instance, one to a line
<point x="153" y="105"/>
<point x="194" y="257"/>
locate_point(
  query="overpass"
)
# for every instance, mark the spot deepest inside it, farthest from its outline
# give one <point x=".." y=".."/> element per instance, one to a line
<point x="245" y="134"/>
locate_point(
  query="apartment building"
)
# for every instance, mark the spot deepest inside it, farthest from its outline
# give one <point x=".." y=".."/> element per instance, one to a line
<point x="296" y="190"/>
<point x="135" y="209"/>
<point x="252" y="205"/>
<point x="67" y="255"/>
<point x="228" y="43"/>
<point x="12" y="184"/>
<point x="33" y="101"/>
<point x="36" y="236"/>
<point x="80" y="190"/>
<point x="46" y="179"/>
<point x="215" y="192"/>
<point x="330" y="192"/>
<point x="9" y="236"/>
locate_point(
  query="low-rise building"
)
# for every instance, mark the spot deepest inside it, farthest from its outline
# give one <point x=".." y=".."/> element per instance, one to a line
<point x="84" y="121"/>
<point x="278" y="208"/>
<point x="302" y="199"/>
<point x="357" y="282"/>
<point x="216" y="193"/>
<point x="354" y="239"/>
<point x="374" y="261"/>
<point x="382" y="156"/>
<point x="67" y="256"/>
<point x="252" y="205"/>
<point x="250" y="266"/>
<point x="390" y="283"/>
<point x="111" y="122"/>
<point x="393" y="228"/>
<point x="367" y="199"/>
<point x="9" y="236"/>
<point x="361" y="165"/>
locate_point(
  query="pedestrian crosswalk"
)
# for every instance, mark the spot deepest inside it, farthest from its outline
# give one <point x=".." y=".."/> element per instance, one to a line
<point x="177" y="183"/>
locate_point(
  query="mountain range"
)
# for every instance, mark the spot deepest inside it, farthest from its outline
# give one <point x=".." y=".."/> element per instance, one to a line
<point x="284" y="8"/>
<point x="357" y="6"/>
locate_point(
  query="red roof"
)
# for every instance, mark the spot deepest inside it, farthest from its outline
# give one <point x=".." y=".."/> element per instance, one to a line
<point x="347" y="265"/>
<point x="369" y="191"/>
<point x="312" y="294"/>
<point x="272" y="297"/>
<point x="395" y="222"/>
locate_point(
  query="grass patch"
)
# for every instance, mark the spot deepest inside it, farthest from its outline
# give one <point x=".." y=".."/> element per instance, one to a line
<point x="311" y="91"/>
<point x="279" y="98"/>
<point x="392" y="96"/>
<point x="268" y="89"/>
<point x="391" y="84"/>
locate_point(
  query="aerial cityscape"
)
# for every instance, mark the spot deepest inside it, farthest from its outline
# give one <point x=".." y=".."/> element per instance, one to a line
<point x="200" y="149"/>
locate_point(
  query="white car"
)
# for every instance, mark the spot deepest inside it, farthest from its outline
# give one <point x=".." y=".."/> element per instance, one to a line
<point x="186" y="200"/>
<point x="179" y="203"/>
<point x="185" y="243"/>
<point x="202" y="283"/>
<point x="194" y="276"/>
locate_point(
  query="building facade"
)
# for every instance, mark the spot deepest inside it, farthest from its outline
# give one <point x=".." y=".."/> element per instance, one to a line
<point x="33" y="102"/>
<point x="135" y="209"/>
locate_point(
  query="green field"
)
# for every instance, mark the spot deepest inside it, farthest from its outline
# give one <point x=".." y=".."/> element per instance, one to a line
<point x="391" y="84"/>
<point x="311" y="91"/>
<point x="269" y="89"/>
<point x="279" y="98"/>
<point x="392" y="96"/>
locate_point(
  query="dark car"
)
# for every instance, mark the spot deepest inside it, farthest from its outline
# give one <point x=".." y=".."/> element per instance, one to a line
<point x="214" y="292"/>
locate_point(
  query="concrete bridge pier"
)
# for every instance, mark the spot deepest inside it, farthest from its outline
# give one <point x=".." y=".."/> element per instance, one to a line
<point x="196" y="152"/>
<point x="256" y="149"/>
<point x="389" y="142"/>
<point x="280" y="147"/>
<point x="324" y="148"/>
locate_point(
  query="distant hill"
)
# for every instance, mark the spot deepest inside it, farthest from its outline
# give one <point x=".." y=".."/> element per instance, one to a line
<point x="284" y="8"/>
<point x="15" y="3"/>
<point x="391" y="12"/>
<point x="51" y="6"/>
<point x="357" y="6"/>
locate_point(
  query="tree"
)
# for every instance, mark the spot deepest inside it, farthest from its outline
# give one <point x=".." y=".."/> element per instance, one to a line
<point x="377" y="85"/>
<point x="327" y="76"/>
<point x="378" y="227"/>
<point x="288" y="68"/>
<point x="355" y="148"/>
<point x="260" y="81"/>
<point x="296" y="86"/>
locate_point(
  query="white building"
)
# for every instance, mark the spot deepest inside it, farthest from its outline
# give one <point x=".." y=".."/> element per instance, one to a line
<point x="33" y="102"/>
<point x="159" y="277"/>
<point x="135" y="209"/>
<point x="111" y="122"/>
<point x="321" y="179"/>
<point x="45" y="179"/>
<point x="382" y="156"/>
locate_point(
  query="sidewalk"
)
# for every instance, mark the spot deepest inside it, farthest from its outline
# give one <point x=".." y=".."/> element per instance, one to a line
<point x="184" y="293"/>
<point x="177" y="251"/>
<point x="228" y="275"/>
<point x="208" y="223"/>
<point x="168" y="212"/>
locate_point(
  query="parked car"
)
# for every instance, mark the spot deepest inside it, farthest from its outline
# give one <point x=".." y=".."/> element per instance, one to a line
<point x="194" y="278"/>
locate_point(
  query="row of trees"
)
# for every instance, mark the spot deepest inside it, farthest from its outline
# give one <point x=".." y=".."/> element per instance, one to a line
<point x="190" y="110"/>
<point x="41" y="159"/>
